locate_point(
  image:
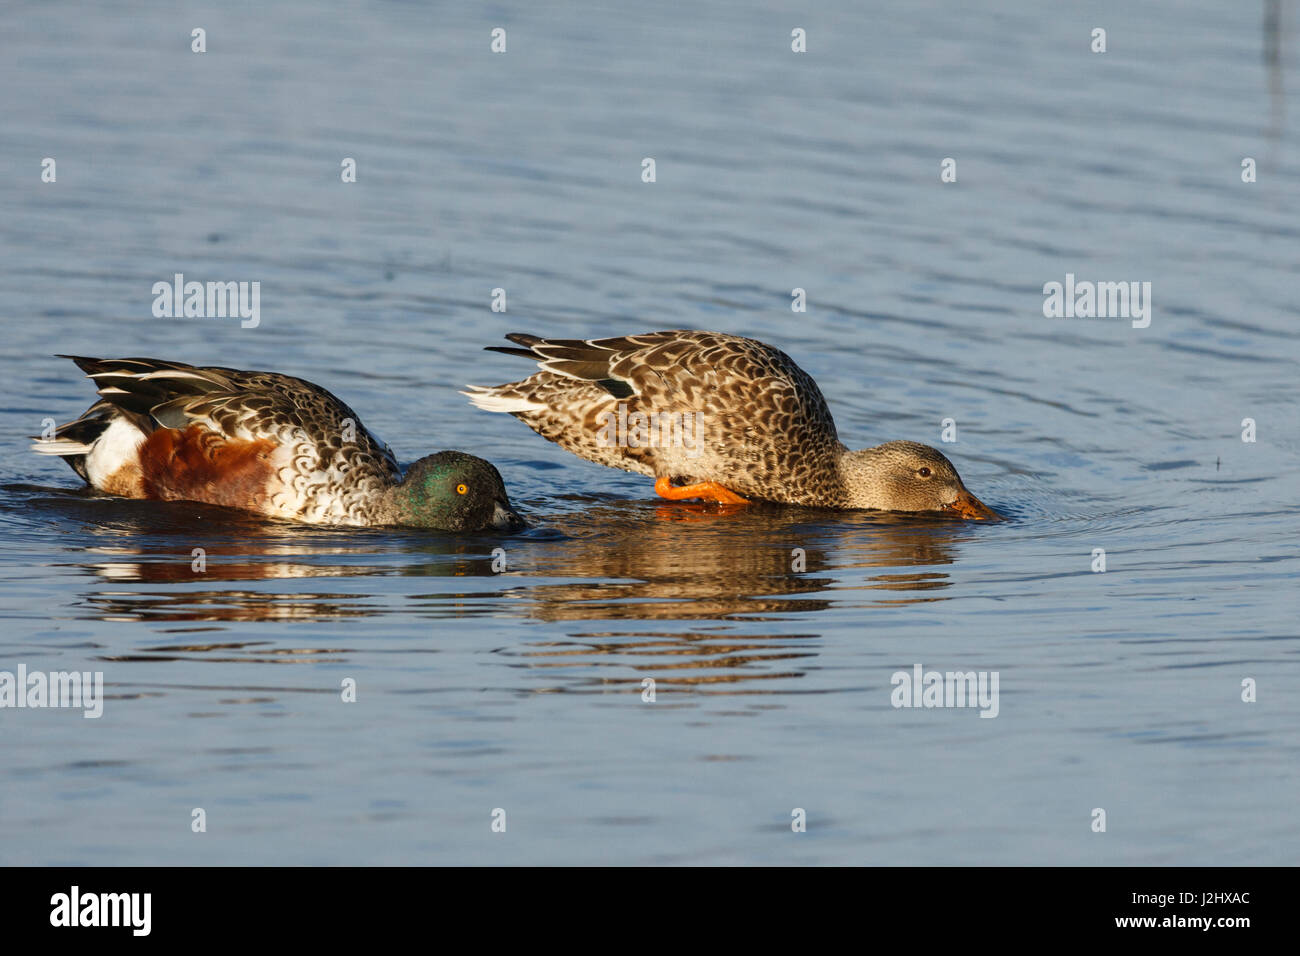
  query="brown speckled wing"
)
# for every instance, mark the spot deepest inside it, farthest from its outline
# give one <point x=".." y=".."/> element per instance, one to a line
<point x="332" y="469"/>
<point x="763" y="426"/>
<point x="267" y="404"/>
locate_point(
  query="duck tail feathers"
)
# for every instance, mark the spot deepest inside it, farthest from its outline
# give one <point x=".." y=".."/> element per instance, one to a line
<point x="496" y="400"/>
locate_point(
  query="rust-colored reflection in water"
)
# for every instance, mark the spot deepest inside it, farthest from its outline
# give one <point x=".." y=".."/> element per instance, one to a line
<point x="734" y="572"/>
<point x="625" y="561"/>
<point x="690" y="563"/>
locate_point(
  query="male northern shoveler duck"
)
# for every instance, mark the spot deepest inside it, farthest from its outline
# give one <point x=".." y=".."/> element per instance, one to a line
<point x="762" y="428"/>
<point x="263" y="442"/>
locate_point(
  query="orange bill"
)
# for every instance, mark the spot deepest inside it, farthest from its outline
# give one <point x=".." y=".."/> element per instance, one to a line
<point x="968" y="506"/>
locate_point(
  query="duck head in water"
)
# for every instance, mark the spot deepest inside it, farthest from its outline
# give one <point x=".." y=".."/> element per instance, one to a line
<point x="907" y="476"/>
<point x="453" y="491"/>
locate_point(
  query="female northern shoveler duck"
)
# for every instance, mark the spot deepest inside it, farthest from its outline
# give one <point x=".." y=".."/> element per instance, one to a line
<point x="263" y="442"/>
<point x="762" y="428"/>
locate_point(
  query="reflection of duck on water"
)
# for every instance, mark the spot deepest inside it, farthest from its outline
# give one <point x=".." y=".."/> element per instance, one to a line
<point x="697" y="565"/>
<point x="737" y="569"/>
<point x="620" y="561"/>
<point x="221" y="557"/>
<point x="680" y="562"/>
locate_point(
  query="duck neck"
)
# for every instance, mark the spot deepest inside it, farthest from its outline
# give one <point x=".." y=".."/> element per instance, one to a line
<point x="860" y="481"/>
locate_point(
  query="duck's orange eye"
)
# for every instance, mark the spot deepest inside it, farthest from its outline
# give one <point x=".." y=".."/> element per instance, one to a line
<point x="924" y="472"/>
<point x="462" y="489"/>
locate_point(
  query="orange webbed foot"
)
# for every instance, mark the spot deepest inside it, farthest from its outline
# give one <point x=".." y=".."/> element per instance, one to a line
<point x="704" y="490"/>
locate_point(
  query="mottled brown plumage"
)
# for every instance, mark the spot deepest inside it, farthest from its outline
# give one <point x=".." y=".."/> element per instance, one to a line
<point x="761" y="426"/>
<point x="263" y="442"/>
